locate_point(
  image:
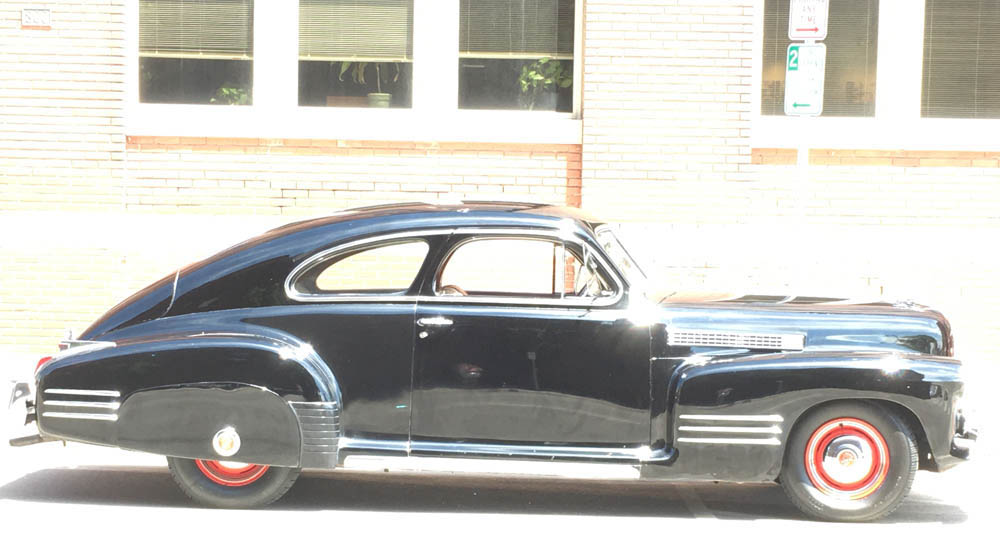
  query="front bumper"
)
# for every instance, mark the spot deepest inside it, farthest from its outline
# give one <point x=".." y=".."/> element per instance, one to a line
<point x="966" y="434"/>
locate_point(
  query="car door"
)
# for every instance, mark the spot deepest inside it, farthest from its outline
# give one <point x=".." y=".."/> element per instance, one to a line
<point x="522" y="347"/>
<point x="355" y="306"/>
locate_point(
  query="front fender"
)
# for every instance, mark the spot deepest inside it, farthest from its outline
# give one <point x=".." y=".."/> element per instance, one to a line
<point x="772" y="391"/>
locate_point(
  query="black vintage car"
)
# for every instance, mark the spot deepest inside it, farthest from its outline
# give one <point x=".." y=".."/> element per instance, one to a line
<point x="499" y="337"/>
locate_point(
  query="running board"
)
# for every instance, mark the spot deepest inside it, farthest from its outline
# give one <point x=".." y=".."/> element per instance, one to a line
<point x="453" y="465"/>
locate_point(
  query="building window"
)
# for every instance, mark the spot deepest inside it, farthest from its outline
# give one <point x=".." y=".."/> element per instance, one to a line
<point x="516" y="54"/>
<point x="196" y="51"/>
<point x="961" y="59"/>
<point x="851" y="48"/>
<point x="356" y="53"/>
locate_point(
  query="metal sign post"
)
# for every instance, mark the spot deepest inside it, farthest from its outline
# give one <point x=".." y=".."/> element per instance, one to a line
<point x="805" y="63"/>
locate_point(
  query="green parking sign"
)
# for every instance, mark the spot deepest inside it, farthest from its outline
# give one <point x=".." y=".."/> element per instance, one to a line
<point x="793" y="58"/>
<point x="805" y="72"/>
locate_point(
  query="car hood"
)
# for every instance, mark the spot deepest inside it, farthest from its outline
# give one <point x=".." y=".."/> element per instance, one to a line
<point x="825" y="323"/>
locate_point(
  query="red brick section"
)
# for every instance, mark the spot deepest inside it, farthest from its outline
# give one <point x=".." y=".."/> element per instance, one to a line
<point x="567" y="154"/>
<point x="894" y="158"/>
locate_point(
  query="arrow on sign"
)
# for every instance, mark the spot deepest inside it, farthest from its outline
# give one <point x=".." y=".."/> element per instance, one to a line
<point x="798" y="105"/>
<point x="814" y="30"/>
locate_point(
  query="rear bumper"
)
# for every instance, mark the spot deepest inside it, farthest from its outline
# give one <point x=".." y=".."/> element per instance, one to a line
<point x="20" y="423"/>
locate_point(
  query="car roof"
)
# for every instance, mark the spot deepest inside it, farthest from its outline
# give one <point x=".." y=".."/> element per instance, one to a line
<point x="466" y="213"/>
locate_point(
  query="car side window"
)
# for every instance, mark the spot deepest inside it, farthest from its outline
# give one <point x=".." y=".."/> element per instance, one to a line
<point x="379" y="269"/>
<point x="520" y="267"/>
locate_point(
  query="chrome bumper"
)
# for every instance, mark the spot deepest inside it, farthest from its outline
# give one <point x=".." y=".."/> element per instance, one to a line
<point x="966" y="434"/>
<point x="21" y="424"/>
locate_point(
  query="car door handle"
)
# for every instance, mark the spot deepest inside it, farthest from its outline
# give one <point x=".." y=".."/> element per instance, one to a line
<point x="434" y="321"/>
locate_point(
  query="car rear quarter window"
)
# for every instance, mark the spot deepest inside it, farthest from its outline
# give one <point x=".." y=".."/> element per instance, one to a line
<point x="382" y="268"/>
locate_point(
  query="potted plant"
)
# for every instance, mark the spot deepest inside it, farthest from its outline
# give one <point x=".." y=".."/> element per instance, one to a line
<point x="231" y="95"/>
<point x="540" y="83"/>
<point x="377" y="99"/>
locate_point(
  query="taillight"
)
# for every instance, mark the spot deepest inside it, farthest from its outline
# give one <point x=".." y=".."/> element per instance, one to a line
<point x="42" y="362"/>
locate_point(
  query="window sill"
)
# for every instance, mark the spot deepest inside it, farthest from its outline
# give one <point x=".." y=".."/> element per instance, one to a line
<point x="918" y="133"/>
<point x="329" y="123"/>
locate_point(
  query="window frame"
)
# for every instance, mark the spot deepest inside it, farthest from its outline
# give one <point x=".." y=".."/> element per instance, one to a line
<point x="897" y="124"/>
<point x="556" y="242"/>
<point x="275" y="113"/>
<point x="349" y="248"/>
<point x="466" y="235"/>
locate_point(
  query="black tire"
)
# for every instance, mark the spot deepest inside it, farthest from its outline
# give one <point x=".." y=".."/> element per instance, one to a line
<point x="263" y="490"/>
<point x="813" y="489"/>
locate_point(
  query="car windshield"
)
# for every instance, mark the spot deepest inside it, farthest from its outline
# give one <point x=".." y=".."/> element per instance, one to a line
<point x="619" y="255"/>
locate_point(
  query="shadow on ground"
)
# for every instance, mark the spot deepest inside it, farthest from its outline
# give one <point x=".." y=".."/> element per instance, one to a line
<point x="145" y="486"/>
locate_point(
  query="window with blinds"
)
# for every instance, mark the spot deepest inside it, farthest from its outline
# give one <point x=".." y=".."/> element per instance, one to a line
<point x="516" y="54"/>
<point x="961" y="59"/>
<point x="195" y="51"/>
<point x="516" y="28"/>
<point x="355" y="53"/>
<point x="851" y="55"/>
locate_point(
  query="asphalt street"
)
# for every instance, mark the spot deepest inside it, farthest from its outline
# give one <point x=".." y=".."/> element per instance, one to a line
<point x="86" y="497"/>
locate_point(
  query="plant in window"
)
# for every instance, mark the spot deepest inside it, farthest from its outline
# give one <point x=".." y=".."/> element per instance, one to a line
<point x="540" y="83"/>
<point x="231" y="95"/>
<point x="376" y="99"/>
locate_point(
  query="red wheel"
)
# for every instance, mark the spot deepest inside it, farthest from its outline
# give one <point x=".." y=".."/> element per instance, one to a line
<point x="230" y="474"/>
<point x="847" y="457"/>
<point x="849" y="461"/>
<point x="229" y="484"/>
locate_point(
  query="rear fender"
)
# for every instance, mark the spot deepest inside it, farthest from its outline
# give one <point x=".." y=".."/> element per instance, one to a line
<point x="170" y="394"/>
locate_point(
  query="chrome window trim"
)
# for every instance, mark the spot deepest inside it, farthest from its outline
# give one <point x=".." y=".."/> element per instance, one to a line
<point x="565" y="235"/>
<point x="326" y="254"/>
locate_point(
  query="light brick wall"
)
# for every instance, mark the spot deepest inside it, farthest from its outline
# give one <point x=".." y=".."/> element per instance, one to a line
<point x="62" y="97"/>
<point x="667" y="87"/>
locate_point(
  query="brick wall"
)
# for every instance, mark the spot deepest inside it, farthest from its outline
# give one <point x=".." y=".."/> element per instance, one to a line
<point x="667" y="87"/>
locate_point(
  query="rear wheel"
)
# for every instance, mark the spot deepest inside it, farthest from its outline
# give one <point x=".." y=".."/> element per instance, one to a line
<point x="231" y="485"/>
<point x="849" y="462"/>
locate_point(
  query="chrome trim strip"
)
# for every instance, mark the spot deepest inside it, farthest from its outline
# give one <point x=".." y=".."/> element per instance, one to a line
<point x="87" y="416"/>
<point x="526" y="467"/>
<point x="383" y="445"/>
<point x="732" y="441"/>
<point x="94" y="404"/>
<point x="745" y="418"/>
<point x="638" y="454"/>
<point x="75" y="392"/>
<point x="548" y="233"/>
<point x="732" y="429"/>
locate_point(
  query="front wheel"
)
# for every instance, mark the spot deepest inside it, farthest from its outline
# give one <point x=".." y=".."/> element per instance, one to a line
<point x="849" y="462"/>
<point x="231" y="485"/>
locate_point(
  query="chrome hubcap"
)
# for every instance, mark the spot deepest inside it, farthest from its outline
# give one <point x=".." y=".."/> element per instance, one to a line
<point x="847" y="459"/>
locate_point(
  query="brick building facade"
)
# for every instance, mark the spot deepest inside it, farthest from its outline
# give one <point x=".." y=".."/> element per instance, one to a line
<point x="101" y="192"/>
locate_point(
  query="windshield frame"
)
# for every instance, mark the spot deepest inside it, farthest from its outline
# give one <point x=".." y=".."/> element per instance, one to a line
<point x="632" y="273"/>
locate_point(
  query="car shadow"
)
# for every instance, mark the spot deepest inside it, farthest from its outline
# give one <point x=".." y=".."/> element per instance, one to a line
<point x="318" y="491"/>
